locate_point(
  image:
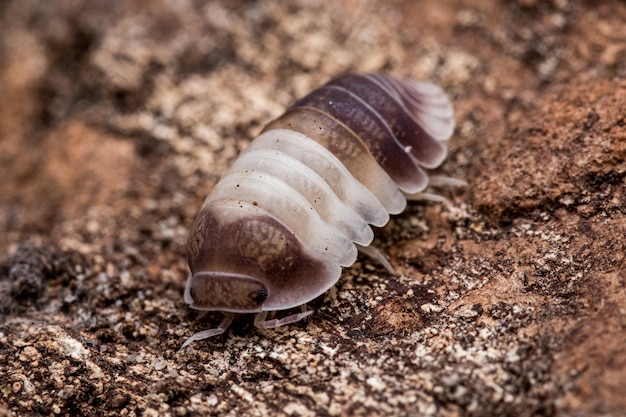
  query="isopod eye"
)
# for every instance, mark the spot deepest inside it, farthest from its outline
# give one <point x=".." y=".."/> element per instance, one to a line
<point x="224" y="291"/>
<point x="260" y="295"/>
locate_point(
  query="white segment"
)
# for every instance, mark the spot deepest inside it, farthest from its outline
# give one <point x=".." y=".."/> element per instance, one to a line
<point x="291" y="208"/>
<point x="311" y="186"/>
<point x="329" y="168"/>
<point x="386" y="191"/>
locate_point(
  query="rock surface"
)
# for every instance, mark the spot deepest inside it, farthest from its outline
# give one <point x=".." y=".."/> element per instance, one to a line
<point x="119" y="117"/>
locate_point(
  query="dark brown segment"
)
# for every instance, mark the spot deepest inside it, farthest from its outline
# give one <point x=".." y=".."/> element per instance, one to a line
<point x="365" y="122"/>
<point x="427" y="150"/>
<point x="234" y="246"/>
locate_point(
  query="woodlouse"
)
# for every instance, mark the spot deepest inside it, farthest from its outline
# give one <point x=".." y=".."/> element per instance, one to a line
<point x="283" y="220"/>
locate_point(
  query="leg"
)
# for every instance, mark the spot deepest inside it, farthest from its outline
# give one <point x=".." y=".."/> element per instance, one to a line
<point x="261" y="323"/>
<point x="436" y="181"/>
<point x="228" y="318"/>
<point x="426" y="197"/>
<point x="377" y="255"/>
<point x="442" y="180"/>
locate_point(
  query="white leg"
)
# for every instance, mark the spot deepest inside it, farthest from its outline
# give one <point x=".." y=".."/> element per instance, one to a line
<point x="442" y="180"/>
<point x="377" y="255"/>
<point x="437" y="181"/>
<point x="426" y="197"/>
<point x="228" y="318"/>
<point x="261" y="323"/>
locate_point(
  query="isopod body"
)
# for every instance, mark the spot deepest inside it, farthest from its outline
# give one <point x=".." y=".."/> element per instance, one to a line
<point x="288" y="214"/>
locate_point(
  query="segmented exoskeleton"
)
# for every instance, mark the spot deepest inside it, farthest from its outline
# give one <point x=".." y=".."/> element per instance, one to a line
<point x="291" y="211"/>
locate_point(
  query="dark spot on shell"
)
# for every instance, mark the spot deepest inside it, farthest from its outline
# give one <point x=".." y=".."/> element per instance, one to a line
<point x="261" y="295"/>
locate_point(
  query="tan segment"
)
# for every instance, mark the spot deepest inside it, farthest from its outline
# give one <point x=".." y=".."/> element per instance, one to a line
<point x="328" y="167"/>
<point x="342" y="142"/>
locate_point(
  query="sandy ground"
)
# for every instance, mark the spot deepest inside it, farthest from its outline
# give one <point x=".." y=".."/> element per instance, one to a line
<point x="117" y="119"/>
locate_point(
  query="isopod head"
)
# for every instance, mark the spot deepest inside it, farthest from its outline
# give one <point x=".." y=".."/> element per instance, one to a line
<point x="244" y="260"/>
<point x="223" y="290"/>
